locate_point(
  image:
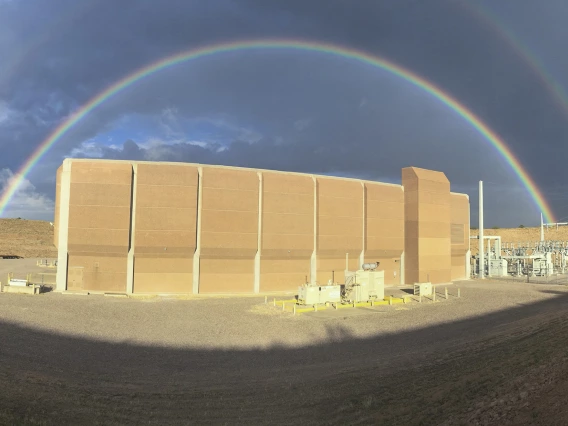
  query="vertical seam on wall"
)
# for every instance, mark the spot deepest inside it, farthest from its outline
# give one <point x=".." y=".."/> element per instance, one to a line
<point x="132" y="206"/>
<point x="197" y="254"/>
<point x="130" y="277"/>
<point x="259" y="236"/>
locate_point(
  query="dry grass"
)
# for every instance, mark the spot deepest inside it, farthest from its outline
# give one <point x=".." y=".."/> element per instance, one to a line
<point x="26" y="238"/>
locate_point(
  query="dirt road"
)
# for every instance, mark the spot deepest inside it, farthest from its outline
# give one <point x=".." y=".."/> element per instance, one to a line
<point x="495" y="356"/>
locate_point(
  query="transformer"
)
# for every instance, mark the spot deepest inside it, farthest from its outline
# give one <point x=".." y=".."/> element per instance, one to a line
<point x="497" y="268"/>
<point x="543" y="266"/>
<point x="423" y="289"/>
<point x="315" y="294"/>
<point x="365" y="285"/>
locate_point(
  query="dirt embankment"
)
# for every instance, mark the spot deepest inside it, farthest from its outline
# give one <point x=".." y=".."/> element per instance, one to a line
<point x="26" y="238"/>
<point x="521" y="235"/>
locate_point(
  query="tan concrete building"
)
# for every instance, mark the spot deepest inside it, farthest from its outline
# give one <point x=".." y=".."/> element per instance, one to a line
<point x="147" y="227"/>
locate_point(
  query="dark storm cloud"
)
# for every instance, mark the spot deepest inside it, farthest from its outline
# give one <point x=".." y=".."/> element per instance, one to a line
<point x="361" y="122"/>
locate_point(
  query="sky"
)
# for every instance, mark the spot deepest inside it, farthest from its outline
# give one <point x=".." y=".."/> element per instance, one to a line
<point x="292" y="110"/>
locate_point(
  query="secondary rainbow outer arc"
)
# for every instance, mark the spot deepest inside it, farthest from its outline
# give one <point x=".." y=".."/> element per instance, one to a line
<point x="538" y="68"/>
<point x="360" y="56"/>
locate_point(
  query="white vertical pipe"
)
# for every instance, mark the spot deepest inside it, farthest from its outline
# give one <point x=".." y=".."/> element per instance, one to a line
<point x="314" y="258"/>
<point x="364" y="217"/>
<point x="542" y="228"/>
<point x="481" y="248"/>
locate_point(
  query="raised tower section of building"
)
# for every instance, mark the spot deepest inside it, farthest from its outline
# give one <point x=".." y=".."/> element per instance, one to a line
<point x="427" y="214"/>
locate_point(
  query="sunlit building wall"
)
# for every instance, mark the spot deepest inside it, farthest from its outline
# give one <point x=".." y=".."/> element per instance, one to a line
<point x="148" y="227"/>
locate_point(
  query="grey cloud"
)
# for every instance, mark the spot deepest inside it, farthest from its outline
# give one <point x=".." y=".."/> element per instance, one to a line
<point x="363" y="121"/>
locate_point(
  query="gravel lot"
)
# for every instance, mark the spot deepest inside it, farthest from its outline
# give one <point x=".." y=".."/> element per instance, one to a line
<point x="70" y="359"/>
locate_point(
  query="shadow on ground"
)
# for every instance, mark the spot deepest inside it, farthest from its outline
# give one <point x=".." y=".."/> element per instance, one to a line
<point x="427" y="376"/>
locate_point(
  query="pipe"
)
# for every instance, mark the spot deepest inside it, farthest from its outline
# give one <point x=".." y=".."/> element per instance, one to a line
<point x="481" y="254"/>
<point x="542" y="228"/>
<point x="497" y="239"/>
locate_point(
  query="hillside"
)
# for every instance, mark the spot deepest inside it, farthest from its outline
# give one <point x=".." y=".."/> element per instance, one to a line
<point x="26" y="238"/>
<point x="516" y="235"/>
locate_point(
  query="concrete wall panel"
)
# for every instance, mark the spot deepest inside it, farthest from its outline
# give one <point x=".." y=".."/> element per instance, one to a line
<point x="339" y="216"/>
<point x="226" y="275"/>
<point x="339" y="227"/>
<point x="229" y="230"/>
<point x="218" y="199"/>
<point x="166" y="228"/>
<point x="459" y="234"/>
<point x="167" y="196"/>
<point x="458" y="267"/>
<point x="115" y="240"/>
<point x="101" y="273"/>
<point x="97" y="216"/>
<point x="101" y="172"/>
<point x="287" y="223"/>
<point x="460" y="220"/>
<point x="281" y="274"/>
<point x="99" y="223"/>
<point x="91" y="194"/>
<point x="157" y="274"/>
<point x="384" y="228"/>
<point x="289" y="203"/>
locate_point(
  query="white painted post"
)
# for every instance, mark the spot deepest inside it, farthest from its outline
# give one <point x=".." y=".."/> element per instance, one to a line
<point x="313" y="262"/>
<point x="401" y="273"/>
<point x="63" y="226"/>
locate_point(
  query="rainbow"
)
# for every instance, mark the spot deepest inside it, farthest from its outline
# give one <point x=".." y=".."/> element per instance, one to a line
<point x="344" y="52"/>
<point x="485" y="15"/>
<point x="56" y="28"/>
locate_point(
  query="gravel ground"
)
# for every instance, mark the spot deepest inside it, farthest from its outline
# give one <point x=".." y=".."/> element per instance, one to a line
<point x="22" y="267"/>
<point x="109" y="360"/>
